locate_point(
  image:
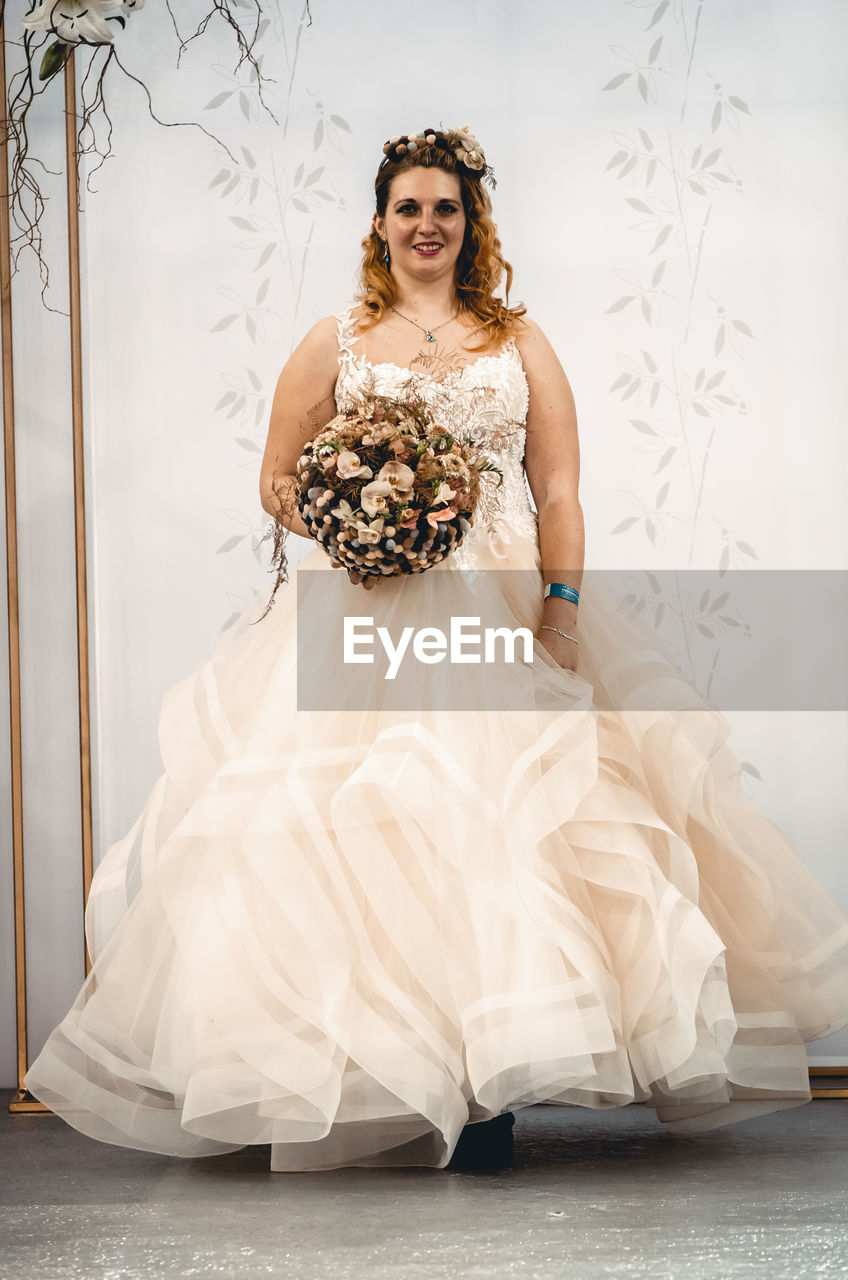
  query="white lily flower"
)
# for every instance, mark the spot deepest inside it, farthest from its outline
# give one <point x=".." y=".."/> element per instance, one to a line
<point x="445" y="493"/>
<point x="76" y="21"/>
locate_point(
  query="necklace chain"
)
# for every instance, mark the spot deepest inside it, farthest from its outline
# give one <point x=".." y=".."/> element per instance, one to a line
<point x="428" y="333"/>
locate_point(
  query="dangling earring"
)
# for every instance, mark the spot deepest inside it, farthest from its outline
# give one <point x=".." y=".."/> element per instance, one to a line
<point x="386" y="255"/>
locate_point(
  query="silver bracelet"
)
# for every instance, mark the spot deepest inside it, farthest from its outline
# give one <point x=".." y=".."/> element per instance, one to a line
<point x="546" y="627"/>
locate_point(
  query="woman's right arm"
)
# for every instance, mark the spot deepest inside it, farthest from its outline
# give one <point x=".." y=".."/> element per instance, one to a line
<point x="303" y="403"/>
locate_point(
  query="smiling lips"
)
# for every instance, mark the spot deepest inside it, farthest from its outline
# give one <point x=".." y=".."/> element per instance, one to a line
<point x="428" y="248"/>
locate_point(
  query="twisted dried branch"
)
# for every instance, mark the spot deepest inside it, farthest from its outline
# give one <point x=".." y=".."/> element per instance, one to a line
<point x="44" y="57"/>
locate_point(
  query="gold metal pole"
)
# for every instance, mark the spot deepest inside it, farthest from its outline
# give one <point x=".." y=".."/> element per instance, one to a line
<point x="12" y="603"/>
<point x="23" y="1101"/>
<point x="72" y="176"/>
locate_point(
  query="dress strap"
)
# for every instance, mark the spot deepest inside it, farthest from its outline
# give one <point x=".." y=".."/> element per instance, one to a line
<point x="346" y="330"/>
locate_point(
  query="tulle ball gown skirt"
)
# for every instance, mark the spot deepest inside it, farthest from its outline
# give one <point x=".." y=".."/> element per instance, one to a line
<point x="348" y="933"/>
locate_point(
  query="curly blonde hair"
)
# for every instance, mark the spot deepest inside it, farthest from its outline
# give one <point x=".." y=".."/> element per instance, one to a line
<point x="479" y="267"/>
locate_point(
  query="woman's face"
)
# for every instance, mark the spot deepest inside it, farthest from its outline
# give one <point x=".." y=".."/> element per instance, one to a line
<point x="424" y="222"/>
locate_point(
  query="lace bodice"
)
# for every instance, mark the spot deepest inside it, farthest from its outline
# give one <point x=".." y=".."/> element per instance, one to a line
<point x="485" y="400"/>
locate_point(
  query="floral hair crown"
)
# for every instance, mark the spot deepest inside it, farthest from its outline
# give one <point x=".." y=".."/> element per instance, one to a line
<point x="460" y="142"/>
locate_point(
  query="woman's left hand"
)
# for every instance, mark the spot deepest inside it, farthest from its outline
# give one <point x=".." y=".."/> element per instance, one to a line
<point x="563" y="652"/>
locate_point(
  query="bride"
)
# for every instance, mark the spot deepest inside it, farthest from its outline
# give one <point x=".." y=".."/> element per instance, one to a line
<point x="431" y="263"/>
<point x="362" y="929"/>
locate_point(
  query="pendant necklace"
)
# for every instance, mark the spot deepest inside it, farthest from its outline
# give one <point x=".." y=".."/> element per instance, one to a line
<point x="428" y="333"/>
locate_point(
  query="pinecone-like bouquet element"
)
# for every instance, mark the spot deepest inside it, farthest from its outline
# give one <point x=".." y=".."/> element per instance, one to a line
<point x="389" y="490"/>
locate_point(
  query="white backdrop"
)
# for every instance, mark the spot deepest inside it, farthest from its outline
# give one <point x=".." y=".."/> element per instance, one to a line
<point x="202" y="271"/>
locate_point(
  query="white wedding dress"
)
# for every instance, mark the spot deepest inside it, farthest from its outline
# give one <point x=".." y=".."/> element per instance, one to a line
<point x="348" y="932"/>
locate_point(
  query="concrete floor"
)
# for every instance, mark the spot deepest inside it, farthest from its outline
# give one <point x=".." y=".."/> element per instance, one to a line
<point x="591" y="1194"/>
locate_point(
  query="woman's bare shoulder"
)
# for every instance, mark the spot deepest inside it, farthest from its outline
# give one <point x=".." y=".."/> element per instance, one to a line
<point x="537" y="352"/>
<point x="320" y="343"/>
<point x="315" y="359"/>
<point x="529" y="335"/>
<point x="327" y="329"/>
<point x="323" y="333"/>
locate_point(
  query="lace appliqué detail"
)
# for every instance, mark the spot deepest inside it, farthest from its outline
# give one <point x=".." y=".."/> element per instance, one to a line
<point x="484" y="402"/>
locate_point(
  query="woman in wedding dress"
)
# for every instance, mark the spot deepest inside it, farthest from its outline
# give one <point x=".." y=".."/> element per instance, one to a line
<point x="357" y="928"/>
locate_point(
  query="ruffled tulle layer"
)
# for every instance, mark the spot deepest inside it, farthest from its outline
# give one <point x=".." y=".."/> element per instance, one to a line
<point x="349" y="933"/>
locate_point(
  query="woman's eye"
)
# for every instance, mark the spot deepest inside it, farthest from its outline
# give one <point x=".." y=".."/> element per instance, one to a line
<point x="443" y="208"/>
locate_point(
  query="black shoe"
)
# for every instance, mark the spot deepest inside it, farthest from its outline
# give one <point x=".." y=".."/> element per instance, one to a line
<point x="486" y="1144"/>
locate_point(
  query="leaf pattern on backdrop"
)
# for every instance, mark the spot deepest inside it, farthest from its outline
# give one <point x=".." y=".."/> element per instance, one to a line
<point x="276" y="192"/>
<point x="674" y="163"/>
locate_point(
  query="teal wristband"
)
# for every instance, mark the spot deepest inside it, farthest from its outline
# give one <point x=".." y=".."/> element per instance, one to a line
<point x="563" y="590"/>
